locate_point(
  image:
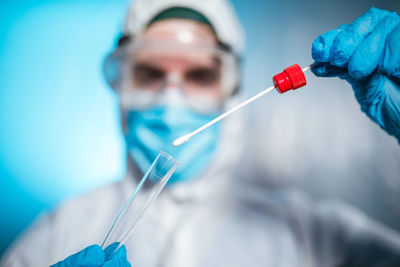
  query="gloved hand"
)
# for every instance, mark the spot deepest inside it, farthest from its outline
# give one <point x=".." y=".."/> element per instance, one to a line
<point x="95" y="256"/>
<point x="366" y="53"/>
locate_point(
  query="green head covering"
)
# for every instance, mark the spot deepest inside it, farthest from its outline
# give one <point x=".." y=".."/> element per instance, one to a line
<point x="181" y="13"/>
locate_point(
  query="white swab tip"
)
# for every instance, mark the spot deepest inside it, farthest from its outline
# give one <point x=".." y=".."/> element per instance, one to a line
<point x="183" y="139"/>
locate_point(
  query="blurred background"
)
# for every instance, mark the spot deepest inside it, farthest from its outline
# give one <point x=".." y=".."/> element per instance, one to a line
<point x="60" y="131"/>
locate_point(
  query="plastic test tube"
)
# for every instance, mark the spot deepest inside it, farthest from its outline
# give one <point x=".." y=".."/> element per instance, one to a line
<point x="144" y="194"/>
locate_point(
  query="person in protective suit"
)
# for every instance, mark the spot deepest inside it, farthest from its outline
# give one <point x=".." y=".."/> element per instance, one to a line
<point x="175" y="67"/>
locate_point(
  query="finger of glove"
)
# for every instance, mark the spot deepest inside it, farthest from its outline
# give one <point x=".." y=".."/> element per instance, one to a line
<point x="324" y="69"/>
<point x="391" y="60"/>
<point x="351" y="37"/>
<point x="110" y="251"/>
<point x="367" y="56"/>
<point x="322" y="45"/>
<point x="90" y="256"/>
<point x="117" y="263"/>
<point x="120" y="253"/>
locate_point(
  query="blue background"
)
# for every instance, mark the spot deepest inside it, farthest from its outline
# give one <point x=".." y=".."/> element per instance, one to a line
<point x="60" y="130"/>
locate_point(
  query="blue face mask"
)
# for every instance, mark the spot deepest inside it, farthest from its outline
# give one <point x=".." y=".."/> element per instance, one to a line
<point x="155" y="129"/>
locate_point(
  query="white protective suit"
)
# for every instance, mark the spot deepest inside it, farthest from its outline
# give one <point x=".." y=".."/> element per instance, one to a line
<point x="225" y="218"/>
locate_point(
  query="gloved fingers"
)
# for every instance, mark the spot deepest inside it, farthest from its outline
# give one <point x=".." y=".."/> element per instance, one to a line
<point x="324" y="69"/>
<point x="391" y="57"/>
<point x="321" y="47"/>
<point x="352" y="36"/>
<point x="369" y="93"/>
<point x="120" y="253"/>
<point x="117" y="258"/>
<point x="90" y="256"/>
<point x="117" y="263"/>
<point x="110" y="251"/>
<point x="367" y="56"/>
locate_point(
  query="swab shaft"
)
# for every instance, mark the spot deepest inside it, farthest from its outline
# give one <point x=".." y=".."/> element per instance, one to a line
<point x="306" y="68"/>
<point x="179" y="141"/>
<point x="229" y="112"/>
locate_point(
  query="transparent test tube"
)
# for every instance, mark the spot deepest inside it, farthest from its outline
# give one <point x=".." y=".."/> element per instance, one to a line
<point x="144" y="194"/>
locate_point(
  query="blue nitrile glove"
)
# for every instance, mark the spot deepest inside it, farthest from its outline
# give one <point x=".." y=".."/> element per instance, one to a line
<point x="366" y="53"/>
<point x="95" y="256"/>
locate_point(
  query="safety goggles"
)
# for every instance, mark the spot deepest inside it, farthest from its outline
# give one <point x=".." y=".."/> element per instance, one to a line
<point x="205" y="76"/>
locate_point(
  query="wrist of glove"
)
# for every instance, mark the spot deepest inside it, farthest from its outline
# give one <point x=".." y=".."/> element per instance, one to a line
<point x="366" y="53"/>
<point x="95" y="256"/>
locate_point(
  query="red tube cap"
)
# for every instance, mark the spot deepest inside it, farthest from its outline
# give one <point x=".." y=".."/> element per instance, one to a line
<point x="291" y="78"/>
